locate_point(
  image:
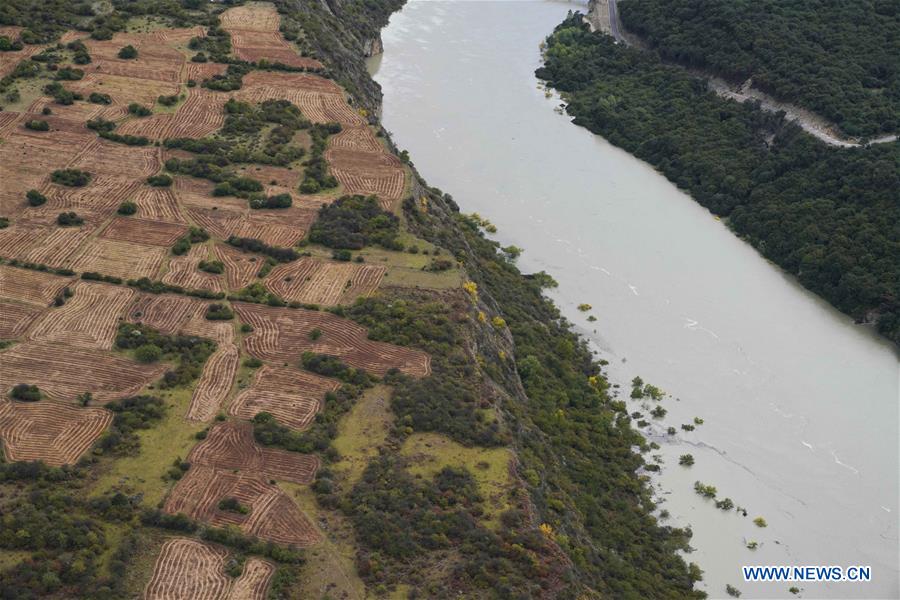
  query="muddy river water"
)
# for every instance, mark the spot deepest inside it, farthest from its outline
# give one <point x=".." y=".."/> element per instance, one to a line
<point x="799" y="405"/>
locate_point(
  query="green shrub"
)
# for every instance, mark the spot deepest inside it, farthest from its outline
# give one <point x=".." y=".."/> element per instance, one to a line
<point x="70" y="177"/>
<point x="148" y="353"/>
<point x="139" y="111"/>
<point x="25" y="392"/>
<point x="213" y="266"/>
<point x="219" y="312"/>
<point x="36" y="125"/>
<point x="161" y="180"/>
<point x="35" y="198"/>
<point x="127" y="208"/>
<point x="68" y="219"/>
<point x="98" y="98"/>
<point x="128" y="52"/>
<point x="353" y="222"/>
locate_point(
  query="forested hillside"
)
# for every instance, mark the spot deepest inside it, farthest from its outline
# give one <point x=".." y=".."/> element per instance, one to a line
<point x="838" y="59"/>
<point x="829" y="216"/>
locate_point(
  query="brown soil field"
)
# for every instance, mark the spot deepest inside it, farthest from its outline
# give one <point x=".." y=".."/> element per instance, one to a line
<point x="124" y="90"/>
<point x="187" y="569"/>
<point x="317" y="106"/>
<point x="282" y="176"/>
<point x="55" y="433"/>
<point x="273" y="516"/>
<point x="240" y="268"/>
<point x="193" y="191"/>
<point x="292" y="396"/>
<point x="9" y="60"/>
<point x="387" y="185"/>
<point x="34" y="287"/>
<point x="255" y="36"/>
<point x="166" y="313"/>
<point x="78" y="112"/>
<point x="268" y="228"/>
<point x="360" y="139"/>
<point x="15" y="318"/>
<point x="265" y="226"/>
<point x="143" y="67"/>
<point x="184" y="271"/>
<point x="102" y="195"/>
<point x="89" y="319"/>
<point x="16" y="239"/>
<point x="253" y="582"/>
<point x="8" y="120"/>
<point x="297" y="81"/>
<point x="201" y="114"/>
<point x="110" y="158"/>
<point x="315" y="281"/>
<point x="64" y="372"/>
<point x="214" y="384"/>
<point x="57" y="245"/>
<point x="230" y="445"/>
<point x="153" y="127"/>
<point x="121" y="259"/>
<point x="178" y="35"/>
<point x="26" y="162"/>
<point x="221" y="332"/>
<point x="56" y="122"/>
<point x="282" y="54"/>
<point x="142" y="231"/>
<point x="282" y="334"/>
<point x="158" y="204"/>
<point x="230" y="463"/>
<point x="251" y="17"/>
<point x="200" y="71"/>
<point x="218" y="222"/>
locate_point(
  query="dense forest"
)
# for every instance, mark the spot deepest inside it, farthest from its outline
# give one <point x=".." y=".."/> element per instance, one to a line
<point x="829" y="216"/>
<point x="838" y="59"/>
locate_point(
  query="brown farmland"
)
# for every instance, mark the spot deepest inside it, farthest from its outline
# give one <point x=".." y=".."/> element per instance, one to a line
<point x="30" y="286"/>
<point x="166" y="313"/>
<point x="229" y="463"/>
<point x="15" y="318"/>
<point x="185" y="271"/>
<point x="89" y="319"/>
<point x="292" y="396"/>
<point x="158" y="204"/>
<point x="121" y="259"/>
<point x="64" y="372"/>
<point x="214" y="384"/>
<point x="282" y="334"/>
<point x="190" y="570"/>
<point x="314" y="281"/>
<point x="55" y="433"/>
<point x="142" y="231"/>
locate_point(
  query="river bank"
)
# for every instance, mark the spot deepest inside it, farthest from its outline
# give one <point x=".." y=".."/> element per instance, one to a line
<point x="799" y="406"/>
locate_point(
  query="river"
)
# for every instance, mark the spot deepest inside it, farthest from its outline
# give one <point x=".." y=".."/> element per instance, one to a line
<point x="800" y="406"/>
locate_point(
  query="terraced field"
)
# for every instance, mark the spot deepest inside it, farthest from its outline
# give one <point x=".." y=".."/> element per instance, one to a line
<point x="186" y="568"/>
<point x="63" y="327"/>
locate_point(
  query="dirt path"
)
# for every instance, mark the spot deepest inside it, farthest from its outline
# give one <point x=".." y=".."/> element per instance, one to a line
<point x="603" y="15"/>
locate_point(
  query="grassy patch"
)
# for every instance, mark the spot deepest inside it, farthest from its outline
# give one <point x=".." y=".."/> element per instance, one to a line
<point x="416" y="278"/>
<point x="160" y="446"/>
<point x="431" y="452"/>
<point x="10" y="558"/>
<point x="330" y="569"/>
<point x="146" y="23"/>
<point x="361" y="432"/>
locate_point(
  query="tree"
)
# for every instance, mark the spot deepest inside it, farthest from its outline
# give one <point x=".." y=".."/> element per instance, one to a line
<point x="128" y="52"/>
